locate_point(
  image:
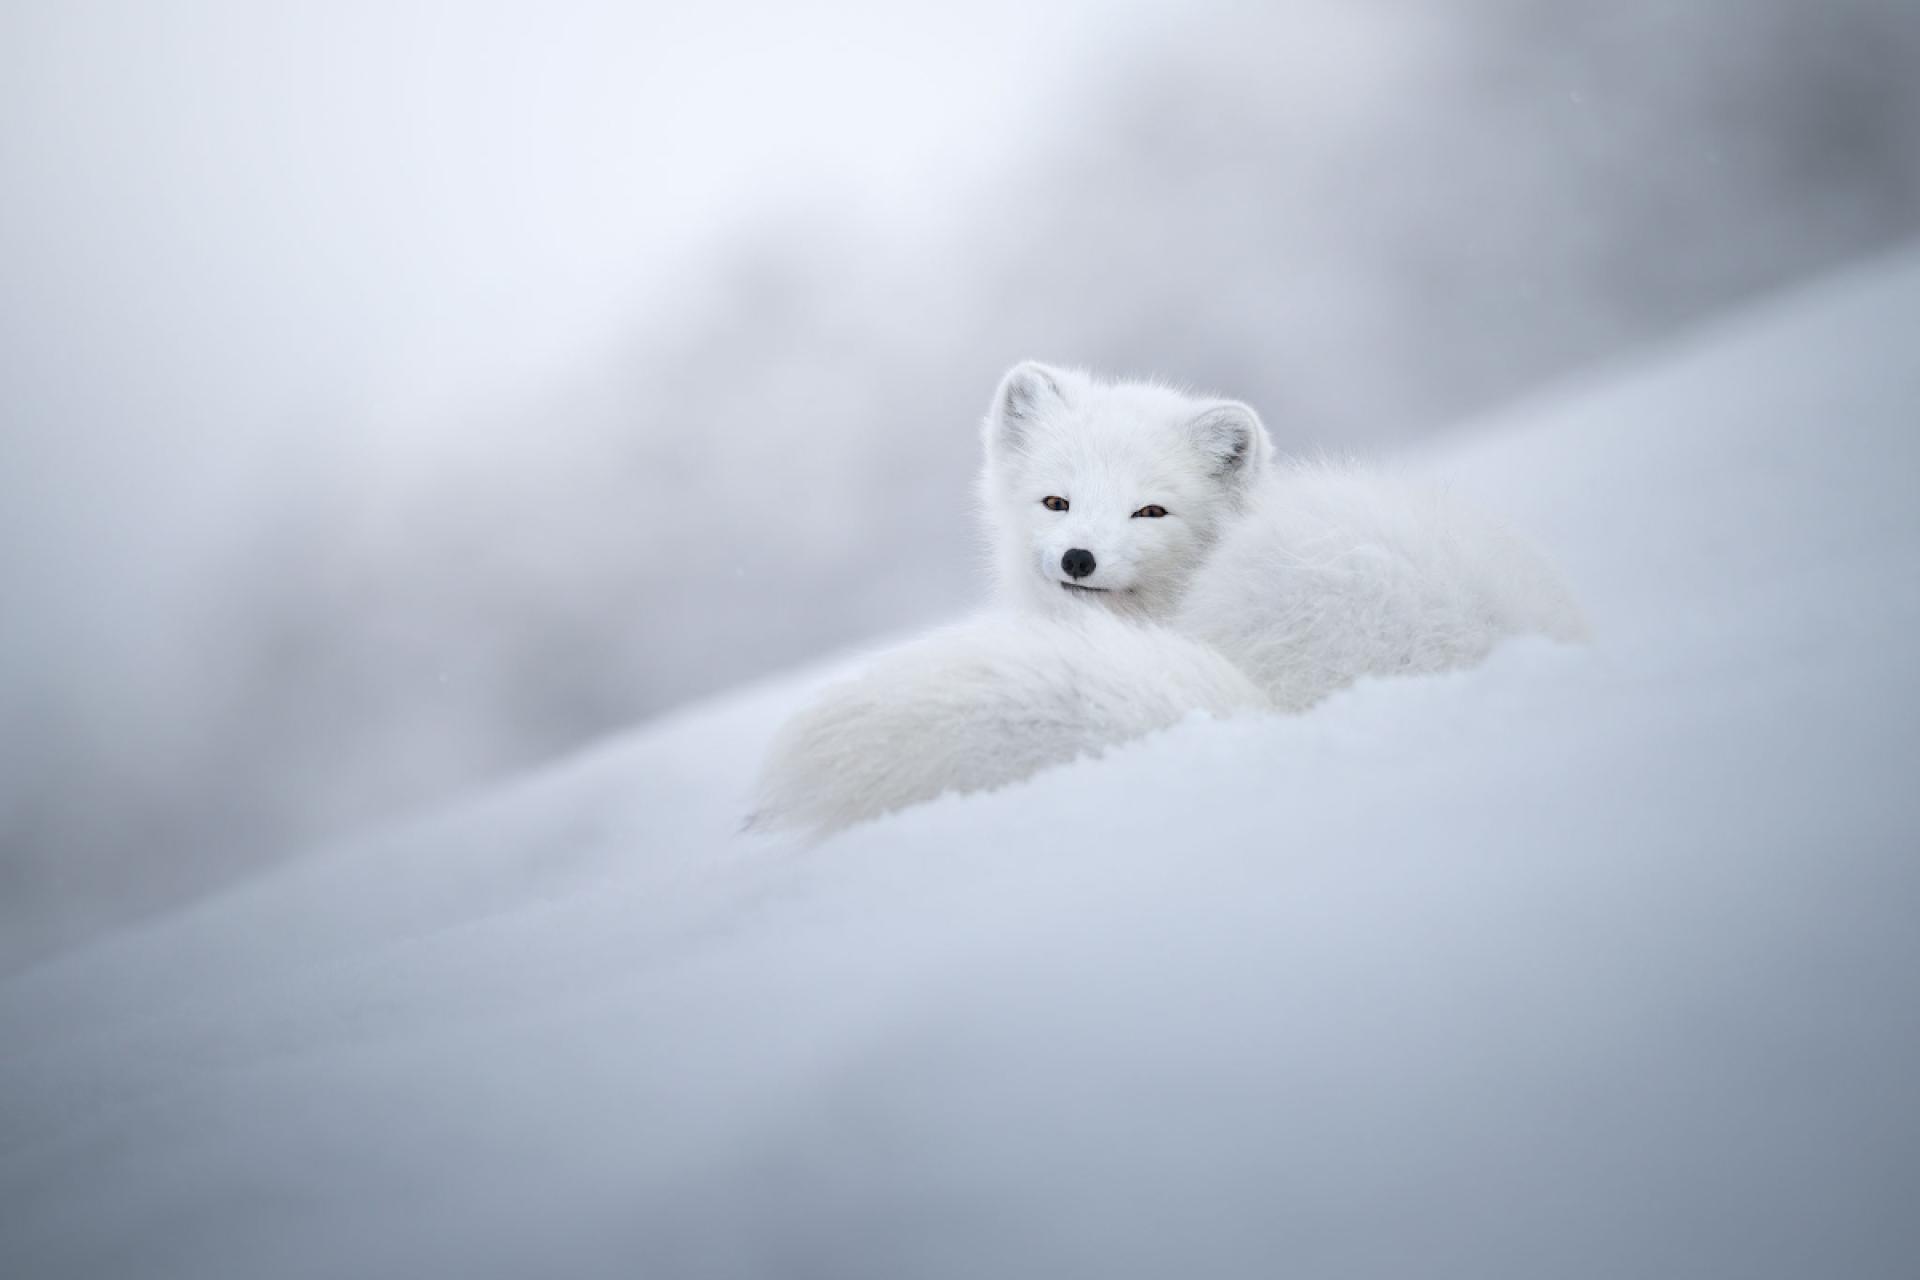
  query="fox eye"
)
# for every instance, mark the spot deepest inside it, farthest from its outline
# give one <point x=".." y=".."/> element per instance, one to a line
<point x="1054" y="504"/>
<point x="1153" y="512"/>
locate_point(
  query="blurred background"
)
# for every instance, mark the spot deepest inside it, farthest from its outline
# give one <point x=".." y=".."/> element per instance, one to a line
<point x="397" y="395"/>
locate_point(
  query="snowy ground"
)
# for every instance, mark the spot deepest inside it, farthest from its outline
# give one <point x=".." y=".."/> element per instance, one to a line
<point x="1597" y="962"/>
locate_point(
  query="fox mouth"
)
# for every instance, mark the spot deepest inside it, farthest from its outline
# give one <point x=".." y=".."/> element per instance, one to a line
<point x="1074" y="586"/>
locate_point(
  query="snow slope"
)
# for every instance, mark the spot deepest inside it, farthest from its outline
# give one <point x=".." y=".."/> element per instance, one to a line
<point x="1592" y="962"/>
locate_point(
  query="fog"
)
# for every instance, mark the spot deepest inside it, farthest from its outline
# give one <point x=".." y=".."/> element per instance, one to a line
<point x="395" y="396"/>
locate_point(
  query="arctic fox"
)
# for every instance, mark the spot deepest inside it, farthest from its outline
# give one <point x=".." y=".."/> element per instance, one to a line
<point x="1152" y="559"/>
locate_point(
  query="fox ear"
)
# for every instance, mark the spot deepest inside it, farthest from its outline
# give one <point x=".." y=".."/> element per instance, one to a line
<point x="1026" y="394"/>
<point x="1232" y="439"/>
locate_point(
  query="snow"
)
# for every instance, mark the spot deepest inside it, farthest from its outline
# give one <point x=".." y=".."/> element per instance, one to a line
<point x="1590" y="961"/>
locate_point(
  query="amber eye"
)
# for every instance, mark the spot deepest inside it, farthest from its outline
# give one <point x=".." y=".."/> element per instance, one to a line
<point x="1152" y="512"/>
<point x="1054" y="504"/>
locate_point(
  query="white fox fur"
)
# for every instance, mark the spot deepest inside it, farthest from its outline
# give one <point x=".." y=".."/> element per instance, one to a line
<point x="982" y="704"/>
<point x="1110" y="450"/>
<point x="1342" y="571"/>
<point x="1154" y="561"/>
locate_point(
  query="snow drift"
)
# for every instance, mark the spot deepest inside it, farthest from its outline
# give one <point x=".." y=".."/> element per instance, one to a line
<point x="1588" y="961"/>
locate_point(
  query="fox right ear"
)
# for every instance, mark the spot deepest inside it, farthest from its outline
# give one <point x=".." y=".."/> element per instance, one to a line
<point x="1232" y="439"/>
<point x="1026" y="394"/>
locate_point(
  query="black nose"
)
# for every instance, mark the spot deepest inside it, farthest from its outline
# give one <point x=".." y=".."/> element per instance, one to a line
<point x="1077" y="563"/>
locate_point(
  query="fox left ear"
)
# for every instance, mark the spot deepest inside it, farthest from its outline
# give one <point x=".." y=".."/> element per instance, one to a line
<point x="1232" y="438"/>
<point x="1028" y="392"/>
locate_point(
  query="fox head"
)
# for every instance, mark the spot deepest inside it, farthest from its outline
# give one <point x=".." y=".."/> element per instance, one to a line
<point x="1110" y="494"/>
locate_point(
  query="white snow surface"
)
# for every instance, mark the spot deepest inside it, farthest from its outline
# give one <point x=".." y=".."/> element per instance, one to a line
<point x="1596" y="961"/>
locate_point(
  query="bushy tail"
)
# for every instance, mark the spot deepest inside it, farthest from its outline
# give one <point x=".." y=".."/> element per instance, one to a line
<point x="981" y="705"/>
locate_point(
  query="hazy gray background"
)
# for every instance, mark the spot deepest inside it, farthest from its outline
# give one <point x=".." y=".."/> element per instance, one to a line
<point x="399" y="394"/>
